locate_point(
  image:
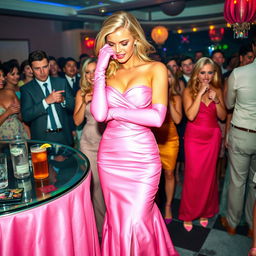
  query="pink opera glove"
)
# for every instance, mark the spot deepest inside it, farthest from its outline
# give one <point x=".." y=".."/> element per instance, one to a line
<point x="153" y="117"/>
<point x="99" y="104"/>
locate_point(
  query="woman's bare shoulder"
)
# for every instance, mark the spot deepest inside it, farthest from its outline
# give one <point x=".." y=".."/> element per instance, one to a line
<point x="187" y="92"/>
<point x="156" y="65"/>
<point x="7" y="96"/>
<point x="177" y="97"/>
<point x="79" y="92"/>
<point x="156" y="68"/>
<point x="218" y="90"/>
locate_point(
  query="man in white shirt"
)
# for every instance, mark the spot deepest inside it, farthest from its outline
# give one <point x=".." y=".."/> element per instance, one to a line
<point x="241" y="95"/>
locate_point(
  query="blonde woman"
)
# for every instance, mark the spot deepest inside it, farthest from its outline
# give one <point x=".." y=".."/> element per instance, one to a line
<point x="168" y="141"/>
<point x="130" y="94"/>
<point x="203" y="106"/>
<point x="91" y="135"/>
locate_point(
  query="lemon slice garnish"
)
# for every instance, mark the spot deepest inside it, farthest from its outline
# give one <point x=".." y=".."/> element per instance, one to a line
<point x="45" y="145"/>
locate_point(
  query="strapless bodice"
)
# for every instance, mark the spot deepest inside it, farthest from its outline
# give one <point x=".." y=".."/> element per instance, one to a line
<point x="11" y="127"/>
<point x="207" y="116"/>
<point x="139" y="96"/>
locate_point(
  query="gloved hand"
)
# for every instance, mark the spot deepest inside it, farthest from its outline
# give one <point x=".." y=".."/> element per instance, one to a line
<point x="105" y="53"/>
<point x="99" y="104"/>
<point x="153" y="117"/>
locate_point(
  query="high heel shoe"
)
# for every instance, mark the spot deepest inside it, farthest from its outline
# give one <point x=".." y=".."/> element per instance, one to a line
<point x="167" y="220"/>
<point x="188" y="225"/>
<point x="203" y="222"/>
<point x="252" y="250"/>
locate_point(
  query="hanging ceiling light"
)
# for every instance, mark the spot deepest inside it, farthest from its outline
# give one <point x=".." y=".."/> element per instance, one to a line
<point x="174" y="7"/>
<point x="159" y="34"/>
<point x="240" y="13"/>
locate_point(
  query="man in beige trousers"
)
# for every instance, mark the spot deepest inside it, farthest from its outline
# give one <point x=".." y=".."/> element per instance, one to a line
<point x="241" y="95"/>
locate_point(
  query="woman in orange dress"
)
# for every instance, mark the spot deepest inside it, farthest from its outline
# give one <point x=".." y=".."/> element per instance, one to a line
<point x="168" y="141"/>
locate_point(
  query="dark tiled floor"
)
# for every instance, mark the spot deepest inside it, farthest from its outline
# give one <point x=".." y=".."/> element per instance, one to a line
<point x="210" y="241"/>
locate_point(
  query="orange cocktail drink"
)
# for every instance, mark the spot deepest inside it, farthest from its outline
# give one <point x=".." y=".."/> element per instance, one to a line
<point x="39" y="161"/>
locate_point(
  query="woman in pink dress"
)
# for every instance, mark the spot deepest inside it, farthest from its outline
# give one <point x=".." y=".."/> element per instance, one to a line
<point x="130" y="94"/>
<point x="203" y="105"/>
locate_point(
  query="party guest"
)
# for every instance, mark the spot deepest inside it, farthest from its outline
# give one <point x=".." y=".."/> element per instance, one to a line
<point x="203" y="105"/>
<point x="130" y="94"/>
<point x="45" y="103"/>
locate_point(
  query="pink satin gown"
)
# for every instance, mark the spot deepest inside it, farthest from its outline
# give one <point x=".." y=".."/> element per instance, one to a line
<point x="202" y="144"/>
<point x="129" y="168"/>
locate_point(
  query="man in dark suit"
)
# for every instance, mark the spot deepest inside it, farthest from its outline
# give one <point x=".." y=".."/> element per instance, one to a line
<point x="186" y="66"/>
<point x="218" y="57"/>
<point x="70" y="74"/>
<point x="46" y="102"/>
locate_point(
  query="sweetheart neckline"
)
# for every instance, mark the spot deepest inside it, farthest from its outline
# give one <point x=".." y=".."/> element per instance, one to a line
<point x="136" y="86"/>
<point x="208" y="104"/>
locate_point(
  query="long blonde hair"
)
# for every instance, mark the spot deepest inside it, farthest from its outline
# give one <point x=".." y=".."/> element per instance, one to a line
<point x="126" y="20"/>
<point x="193" y="83"/>
<point x="85" y="86"/>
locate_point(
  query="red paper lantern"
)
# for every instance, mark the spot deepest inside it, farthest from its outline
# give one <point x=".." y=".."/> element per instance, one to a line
<point x="240" y="13"/>
<point x="216" y="34"/>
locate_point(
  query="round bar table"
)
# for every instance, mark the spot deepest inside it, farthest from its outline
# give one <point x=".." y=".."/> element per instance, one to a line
<point x="55" y="216"/>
